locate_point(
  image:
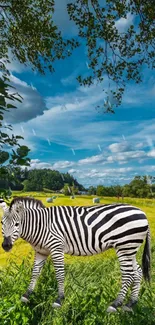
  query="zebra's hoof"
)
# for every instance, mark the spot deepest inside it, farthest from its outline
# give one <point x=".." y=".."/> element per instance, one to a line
<point x="111" y="309"/>
<point x="128" y="309"/>
<point x="24" y="299"/>
<point x="56" y="305"/>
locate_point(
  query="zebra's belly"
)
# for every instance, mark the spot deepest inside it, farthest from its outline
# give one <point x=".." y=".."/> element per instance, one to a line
<point x="84" y="251"/>
<point x="42" y="251"/>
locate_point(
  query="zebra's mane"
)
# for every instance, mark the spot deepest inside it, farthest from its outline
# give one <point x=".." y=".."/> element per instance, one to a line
<point x="28" y="202"/>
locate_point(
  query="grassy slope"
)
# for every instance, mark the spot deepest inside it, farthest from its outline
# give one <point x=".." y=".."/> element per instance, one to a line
<point x="90" y="284"/>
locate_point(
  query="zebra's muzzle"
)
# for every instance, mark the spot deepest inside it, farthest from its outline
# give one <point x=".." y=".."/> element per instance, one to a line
<point x="7" y="244"/>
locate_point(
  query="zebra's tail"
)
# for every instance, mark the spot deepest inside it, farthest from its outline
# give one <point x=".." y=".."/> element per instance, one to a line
<point x="146" y="258"/>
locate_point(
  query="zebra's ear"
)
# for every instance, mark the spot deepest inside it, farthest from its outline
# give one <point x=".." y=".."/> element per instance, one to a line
<point x="3" y="205"/>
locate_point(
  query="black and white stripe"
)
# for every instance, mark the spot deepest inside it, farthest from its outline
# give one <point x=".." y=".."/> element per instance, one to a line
<point x="81" y="230"/>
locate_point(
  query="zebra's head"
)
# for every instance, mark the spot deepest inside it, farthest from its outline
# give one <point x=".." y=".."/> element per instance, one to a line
<point x="11" y="223"/>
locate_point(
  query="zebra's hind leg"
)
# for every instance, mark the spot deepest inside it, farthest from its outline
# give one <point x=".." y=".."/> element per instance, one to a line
<point x="136" y="286"/>
<point x="39" y="261"/>
<point x="126" y="267"/>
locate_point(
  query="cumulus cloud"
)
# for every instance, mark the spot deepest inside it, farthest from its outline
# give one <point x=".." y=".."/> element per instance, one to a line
<point x="125" y="157"/>
<point x="31" y="106"/>
<point x="106" y="176"/>
<point x="73" y="171"/>
<point x="118" y="156"/>
<point x="120" y="147"/>
<point x="63" y="164"/>
<point x="91" y="160"/>
<point x="151" y="153"/>
<point x="37" y="164"/>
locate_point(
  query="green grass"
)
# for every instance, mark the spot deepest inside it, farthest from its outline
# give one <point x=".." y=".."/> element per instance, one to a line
<point x="91" y="283"/>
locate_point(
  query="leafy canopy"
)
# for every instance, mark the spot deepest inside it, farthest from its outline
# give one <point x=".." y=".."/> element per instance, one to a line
<point x="29" y="31"/>
<point x="117" y="53"/>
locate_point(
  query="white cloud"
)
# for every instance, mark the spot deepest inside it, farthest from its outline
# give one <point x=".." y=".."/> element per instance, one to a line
<point x="140" y="145"/>
<point x="125" y="157"/>
<point x="106" y="176"/>
<point x="63" y="164"/>
<point x="121" y="157"/>
<point x="123" y="23"/>
<point x="91" y="160"/>
<point x="120" y="147"/>
<point x="151" y="153"/>
<point x="73" y="171"/>
<point x="37" y="164"/>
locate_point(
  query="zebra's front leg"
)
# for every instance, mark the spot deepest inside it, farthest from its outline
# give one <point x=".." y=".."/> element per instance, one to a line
<point x="39" y="261"/>
<point x="127" y="279"/>
<point x="58" y="261"/>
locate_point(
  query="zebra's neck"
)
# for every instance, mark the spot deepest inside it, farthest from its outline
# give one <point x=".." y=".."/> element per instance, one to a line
<point x="33" y="222"/>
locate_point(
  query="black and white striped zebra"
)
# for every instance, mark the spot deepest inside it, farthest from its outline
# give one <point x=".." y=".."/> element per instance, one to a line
<point x="81" y="230"/>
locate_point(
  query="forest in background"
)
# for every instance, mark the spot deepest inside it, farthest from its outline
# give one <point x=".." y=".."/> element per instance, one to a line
<point x="24" y="179"/>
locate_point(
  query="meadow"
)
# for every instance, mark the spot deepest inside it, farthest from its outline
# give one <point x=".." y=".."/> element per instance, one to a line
<point x="91" y="283"/>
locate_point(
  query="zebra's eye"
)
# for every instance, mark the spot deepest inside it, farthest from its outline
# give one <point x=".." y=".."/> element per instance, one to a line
<point x="16" y="224"/>
<point x="1" y="222"/>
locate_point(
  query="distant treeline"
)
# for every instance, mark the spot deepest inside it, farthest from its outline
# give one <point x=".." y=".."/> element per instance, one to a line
<point x="38" y="180"/>
<point x="140" y="186"/>
<point x="47" y="179"/>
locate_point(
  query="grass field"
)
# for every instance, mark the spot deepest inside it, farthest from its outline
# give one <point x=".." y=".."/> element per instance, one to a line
<point x="91" y="283"/>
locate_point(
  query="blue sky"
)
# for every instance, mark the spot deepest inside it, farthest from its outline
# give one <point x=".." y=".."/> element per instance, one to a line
<point x="64" y="131"/>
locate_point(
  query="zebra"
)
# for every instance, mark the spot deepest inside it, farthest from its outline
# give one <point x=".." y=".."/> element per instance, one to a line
<point x="81" y="230"/>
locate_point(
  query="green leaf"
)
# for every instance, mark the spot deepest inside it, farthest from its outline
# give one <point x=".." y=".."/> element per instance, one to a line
<point x="11" y="106"/>
<point x="23" y="151"/>
<point x="4" y="156"/>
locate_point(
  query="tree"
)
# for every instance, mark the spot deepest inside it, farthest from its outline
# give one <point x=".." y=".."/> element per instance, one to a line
<point x="118" y="190"/>
<point x="119" y="54"/>
<point x="28" y="31"/>
<point x="18" y="156"/>
<point x="92" y="190"/>
<point x="140" y="186"/>
<point x="67" y="190"/>
<point x="100" y="190"/>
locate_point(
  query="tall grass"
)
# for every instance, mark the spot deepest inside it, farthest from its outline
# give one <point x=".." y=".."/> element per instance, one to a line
<point x="91" y="283"/>
<point x="89" y="289"/>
